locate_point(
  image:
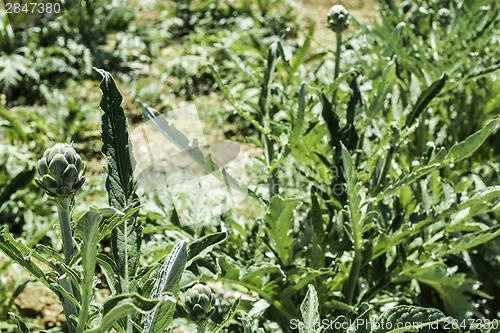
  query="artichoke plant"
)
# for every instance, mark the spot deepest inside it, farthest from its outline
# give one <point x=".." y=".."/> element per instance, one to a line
<point x="338" y="18"/>
<point x="61" y="171"/>
<point x="199" y="304"/>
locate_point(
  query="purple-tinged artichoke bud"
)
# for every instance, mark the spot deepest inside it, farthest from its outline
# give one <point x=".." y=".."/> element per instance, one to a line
<point x="338" y="18"/>
<point x="199" y="303"/>
<point x="61" y="171"/>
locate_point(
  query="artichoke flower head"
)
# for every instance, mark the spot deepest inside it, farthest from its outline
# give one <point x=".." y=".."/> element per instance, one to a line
<point x="199" y="303"/>
<point x="61" y="171"/>
<point x="338" y="18"/>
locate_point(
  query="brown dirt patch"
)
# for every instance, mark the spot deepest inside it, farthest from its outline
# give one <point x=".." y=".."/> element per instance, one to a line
<point x="41" y="305"/>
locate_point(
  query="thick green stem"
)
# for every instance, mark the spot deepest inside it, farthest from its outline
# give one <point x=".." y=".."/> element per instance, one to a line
<point x="358" y="258"/>
<point x="337" y="65"/>
<point x="201" y="328"/>
<point x="387" y="166"/>
<point x="65" y="226"/>
<point x="337" y="55"/>
<point x="353" y="276"/>
<point x="273" y="177"/>
<point x="63" y="211"/>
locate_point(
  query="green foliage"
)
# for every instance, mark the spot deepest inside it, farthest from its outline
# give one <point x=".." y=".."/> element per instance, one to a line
<point x="167" y="282"/>
<point x="374" y="191"/>
<point x="120" y="185"/>
<point x="309" y="310"/>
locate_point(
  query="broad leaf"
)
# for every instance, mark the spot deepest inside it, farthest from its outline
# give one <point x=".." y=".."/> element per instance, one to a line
<point x="87" y="229"/>
<point x="455" y="289"/>
<point x="310" y="312"/>
<point x="465" y="148"/>
<point x="120" y="185"/>
<point x="280" y="224"/>
<point x="201" y="246"/>
<point x="474" y="239"/>
<point x="404" y="314"/>
<point x="404" y="180"/>
<point x="117" y="307"/>
<point x="424" y="100"/>
<point x="167" y="281"/>
<point x="353" y="195"/>
<point x="20" y="254"/>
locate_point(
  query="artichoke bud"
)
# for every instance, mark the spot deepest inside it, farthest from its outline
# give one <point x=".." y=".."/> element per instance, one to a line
<point x="444" y="16"/>
<point x="199" y="303"/>
<point x="61" y="171"/>
<point x="338" y="18"/>
<point x="394" y="129"/>
<point x="406" y="6"/>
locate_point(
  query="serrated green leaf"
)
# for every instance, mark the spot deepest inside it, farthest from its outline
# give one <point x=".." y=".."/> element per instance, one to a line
<point x="406" y="314"/>
<point x="116" y="307"/>
<point x="50" y="251"/>
<point x="205" y="244"/>
<point x="167" y="280"/>
<point x="87" y="229"/>
<point x="114" y="221"/>
<point x="383" y="87"/>
<point x="474" y="239"/>
<point x="299" y="120"/>
<point x="120" y="184"/>
<point x="286" y="63"/>
<point x="404" y="180"/>
<point x="249" y="324"/>
<point x="20" y="254"/>
<point x="109" y="269"/>
<point x="305" y="279"/>
<point x="265" y="91"/>
<point x="280" y="223"/>
<point x="465" y="148"/>
<point x="455" y="289"/>
<point x="393" y="43"/>
<point x="424" y="99"/>
<point x="310" y="312"/>
<point x="353" y="188"/>
<point x="59" y="290"/>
